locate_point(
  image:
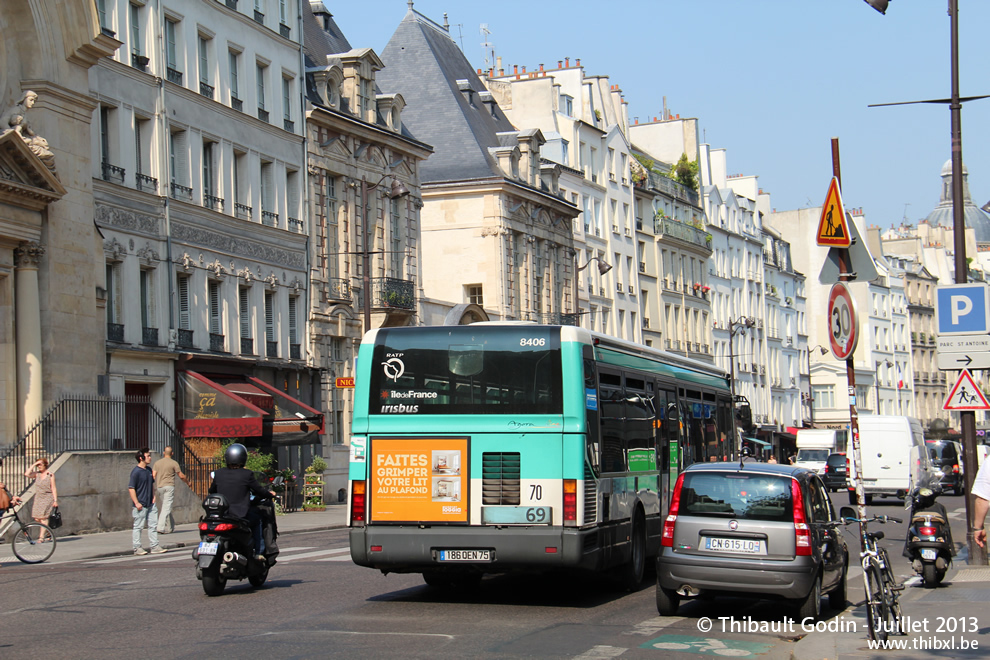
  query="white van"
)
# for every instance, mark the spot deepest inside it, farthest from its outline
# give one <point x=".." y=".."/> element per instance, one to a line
<point x="894" y="456"/>
<point x="814" y="446"/>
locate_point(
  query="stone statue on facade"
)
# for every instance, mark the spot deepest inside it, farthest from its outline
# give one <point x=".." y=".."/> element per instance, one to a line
<point x="14" y="119"/>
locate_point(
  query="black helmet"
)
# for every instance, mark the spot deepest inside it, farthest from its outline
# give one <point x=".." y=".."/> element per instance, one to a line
<point x="235" y="456"/>
<point x="746" y="451"/>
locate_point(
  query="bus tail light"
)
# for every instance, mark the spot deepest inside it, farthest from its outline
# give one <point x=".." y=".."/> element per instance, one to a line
<point x="357" y="502"/>
<point x="802" y="533"/>
<point x="570" y="502"/>
<point x="667" y="540"/>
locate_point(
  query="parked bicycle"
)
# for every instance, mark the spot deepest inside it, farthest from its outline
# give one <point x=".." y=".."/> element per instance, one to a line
<point x="883" y="611"/>
<point x="34" y="542"/>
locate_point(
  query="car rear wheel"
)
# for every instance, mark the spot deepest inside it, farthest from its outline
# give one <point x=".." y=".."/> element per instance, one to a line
<point x="810" y="607"/>
<point x="837" y="597"/>
<point x="667" y="601"/>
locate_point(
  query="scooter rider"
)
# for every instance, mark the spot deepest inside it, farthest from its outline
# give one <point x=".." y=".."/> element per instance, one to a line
<point x="237" y="484"/>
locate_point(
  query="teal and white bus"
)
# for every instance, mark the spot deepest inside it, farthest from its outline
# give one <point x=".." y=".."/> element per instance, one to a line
<point x="493" y="447"/>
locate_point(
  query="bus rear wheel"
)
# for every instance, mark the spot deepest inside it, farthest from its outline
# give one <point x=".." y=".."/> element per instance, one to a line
<point x="631" y="573"/>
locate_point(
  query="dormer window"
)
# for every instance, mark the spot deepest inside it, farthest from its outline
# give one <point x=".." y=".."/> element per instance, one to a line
<point x="394" y="120"/>
<point x="332" y="94"/>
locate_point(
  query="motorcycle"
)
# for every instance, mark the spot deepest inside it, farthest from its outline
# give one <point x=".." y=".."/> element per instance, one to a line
<point x="929" y="538"/>
<point x="226" y="546"/>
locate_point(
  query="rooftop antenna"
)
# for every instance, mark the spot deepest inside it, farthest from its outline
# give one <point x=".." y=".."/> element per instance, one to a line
<point x="460" y="34"/>
<point x="489" y="63"/>
<point x="906" y="204"/>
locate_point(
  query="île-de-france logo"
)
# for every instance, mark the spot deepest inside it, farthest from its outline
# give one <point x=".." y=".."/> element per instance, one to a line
<point x="394" y="368"/>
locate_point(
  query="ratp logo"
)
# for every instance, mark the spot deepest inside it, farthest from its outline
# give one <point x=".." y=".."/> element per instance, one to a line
<point x="394" y="368"/>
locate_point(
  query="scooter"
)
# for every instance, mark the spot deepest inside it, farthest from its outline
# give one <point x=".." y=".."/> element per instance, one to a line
<point x="929" y="538"/>
<point x="226" y="546"/>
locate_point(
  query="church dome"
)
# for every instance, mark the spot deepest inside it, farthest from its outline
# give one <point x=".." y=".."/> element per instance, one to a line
<point x="973" y="215"/>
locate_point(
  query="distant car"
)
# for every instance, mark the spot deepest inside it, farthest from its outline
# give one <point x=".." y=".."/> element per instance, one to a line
<point x="751" y="529"/>
<point x="946" y="457"/>
<point x="836" y="472"/>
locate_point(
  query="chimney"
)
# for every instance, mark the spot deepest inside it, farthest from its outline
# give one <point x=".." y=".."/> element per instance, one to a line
<point x="567" y="63"/>
<point x="541" y="67"/>
<point x="515" y="69"/>
<point x="524" y="68"/>
<point x="577" y="62"/>
<point x="498" y="62"/>
<point x="560" y="64"/>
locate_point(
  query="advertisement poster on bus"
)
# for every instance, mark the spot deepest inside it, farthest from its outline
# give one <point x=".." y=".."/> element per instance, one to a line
<point x="418" y="480"/>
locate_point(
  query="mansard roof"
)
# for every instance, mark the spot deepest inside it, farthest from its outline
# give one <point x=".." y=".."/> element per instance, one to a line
<point x="445" y="106"/>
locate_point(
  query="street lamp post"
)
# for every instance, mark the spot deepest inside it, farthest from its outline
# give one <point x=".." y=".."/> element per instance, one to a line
<point x="811" y="389"/>
<point x="603" y="267"/>
<point x="740" y="325"/>
<point x="398" y="190"/>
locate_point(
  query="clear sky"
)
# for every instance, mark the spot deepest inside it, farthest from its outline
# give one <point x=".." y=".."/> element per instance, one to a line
<point x="771" y="81"/>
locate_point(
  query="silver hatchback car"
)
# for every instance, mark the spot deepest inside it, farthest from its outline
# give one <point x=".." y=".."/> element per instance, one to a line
<point x="751" y="529"/>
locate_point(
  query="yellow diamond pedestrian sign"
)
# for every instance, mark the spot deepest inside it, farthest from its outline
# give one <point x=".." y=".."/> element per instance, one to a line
<point x="832" y="228"/>
<point x="966" y="395"/>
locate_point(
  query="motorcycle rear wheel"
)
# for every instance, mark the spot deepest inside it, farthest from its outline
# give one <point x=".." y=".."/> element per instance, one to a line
<point x="213" y="582"/>
<point x="258" y="580"/>
<point x="930" y="576"/>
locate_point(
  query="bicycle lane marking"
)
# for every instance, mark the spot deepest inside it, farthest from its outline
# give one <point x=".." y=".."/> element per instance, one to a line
<point x="707" y="646"/>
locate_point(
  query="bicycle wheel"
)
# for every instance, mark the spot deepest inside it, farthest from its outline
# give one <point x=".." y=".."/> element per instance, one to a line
<point x="877" y="612"/>
<point x="890" y="584"/>
<point x="34" y="543"/>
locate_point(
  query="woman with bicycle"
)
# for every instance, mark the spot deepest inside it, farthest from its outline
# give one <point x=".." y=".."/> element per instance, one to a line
<point x="45" y="492"/>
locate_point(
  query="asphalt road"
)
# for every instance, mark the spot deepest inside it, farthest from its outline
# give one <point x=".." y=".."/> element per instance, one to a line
<point x="318" y="604"/>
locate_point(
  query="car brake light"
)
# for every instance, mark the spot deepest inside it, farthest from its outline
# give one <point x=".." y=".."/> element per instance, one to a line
<point x="667" y="540"/>
<point x="570" y="502"/>
<point x="926" y="531"/>
<point x="357" y="501"/>
<point x="802" y="534"/>
<point x="955" y="469"/>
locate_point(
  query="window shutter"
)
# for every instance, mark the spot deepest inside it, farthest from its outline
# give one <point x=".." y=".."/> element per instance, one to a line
<point x="292" y="320"/>
<point x="269" y="317"/>
<point x="215" y="325"/>
<point x="183" y="286"/>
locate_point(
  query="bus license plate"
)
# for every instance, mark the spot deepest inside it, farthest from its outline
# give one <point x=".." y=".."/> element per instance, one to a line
<point x="465" y="555"/>
<point x="208" y="548"/>
<point x="744" y="546"/>
<point x="929" y="553"/>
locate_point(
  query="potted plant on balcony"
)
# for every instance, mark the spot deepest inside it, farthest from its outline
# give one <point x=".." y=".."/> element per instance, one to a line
<point x="313" y="485"/>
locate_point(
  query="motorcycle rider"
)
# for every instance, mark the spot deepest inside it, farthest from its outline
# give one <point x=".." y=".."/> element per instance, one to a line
<point x="237" y="484"/>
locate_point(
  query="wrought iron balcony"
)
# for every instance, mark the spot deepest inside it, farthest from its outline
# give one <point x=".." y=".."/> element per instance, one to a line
<point x="149" y="336"/>
<point x="115" y="332"/>
<point x="244" y="212"/>
<point x="269" y="218"/>
<point x="262" y="114"/>
<point x="217" y="343"/>
<point x="289" y="125"/>
<point x="185" y="338"/>
<point x="139" y="62"/>
<point x="393" y="293"/>
<point x="146" y="183"/>
<point x="259" y="17"/>
<point x="673" y="229"/>
<point x="553" y="318"/>
<point x="271" y="348"/>
<point x="663" y="184"/>
<point x="231" y="4"/>
<point x="295" y="225"/>
<point x="180" y="191"/>
<point x="295" y="352"/>
<point x="211" y="202"/>
<point x="247" y="346"/>
<point x="284" y="30"/>
<point x="236" y="103"/>
<point x="338" y="289"/>
<point x="173" y="75"/>
<point x="112" y="172"/>
<point x="206" y="89"/>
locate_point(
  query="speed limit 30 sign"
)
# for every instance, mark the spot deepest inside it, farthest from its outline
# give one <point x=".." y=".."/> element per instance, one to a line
<point x="843" y="323"/>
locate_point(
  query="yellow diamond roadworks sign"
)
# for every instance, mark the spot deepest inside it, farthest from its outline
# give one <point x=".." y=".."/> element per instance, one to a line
<point x="832" y="228"/>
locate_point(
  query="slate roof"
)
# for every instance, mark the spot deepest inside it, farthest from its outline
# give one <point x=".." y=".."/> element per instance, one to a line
<point x="319" y="42"/>
<point x="424" y="64"/>
<point x="973" y="215"/>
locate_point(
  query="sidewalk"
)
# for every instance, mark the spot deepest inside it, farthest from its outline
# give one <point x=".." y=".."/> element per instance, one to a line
<point x="945" y="622"/>
<point x="111" y="544"/>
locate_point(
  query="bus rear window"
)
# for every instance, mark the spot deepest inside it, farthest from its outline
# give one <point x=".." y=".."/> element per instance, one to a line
<point x="466" y="370"/>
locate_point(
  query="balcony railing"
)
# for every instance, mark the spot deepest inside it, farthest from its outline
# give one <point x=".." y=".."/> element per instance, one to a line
<point x="259" y="17"/>
<point x="173" y="75"/>
<point x="212" y="202"/>
<point x="236" y="104"/>
<point x="669" y="186"/>
<point x="295" y="352"/>
<point x="269" y="218"/>
<point x="139" y="62"/>
<point x="338" y="289"/>
<point x="289" y="125"/>
<point x="185" y="338"/>
<point x="393" y="293"/>
<point x="146" y="183"/>
<point x="206" y="89"/>
<point x="262" y="114"/>
<point x="247" y="346"/>
<point x="115" y="332"/>
<point x="284" y="30"/>
<point x="244" y="212"/>
<point x="149" y="336"/>
<point x="295" y="225"/>
<point x="552" y="318"/>
<point x="271" y="348"/>
<point x="231" y="4"/>
<point x="217" y="343"/>
<point x="112" y="172"/>
<point x="680" y="231"/>
<point x="180" y="191"/>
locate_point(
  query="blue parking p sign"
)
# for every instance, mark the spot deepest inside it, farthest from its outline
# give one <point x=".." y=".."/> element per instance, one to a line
<point x="962" y="309"/>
